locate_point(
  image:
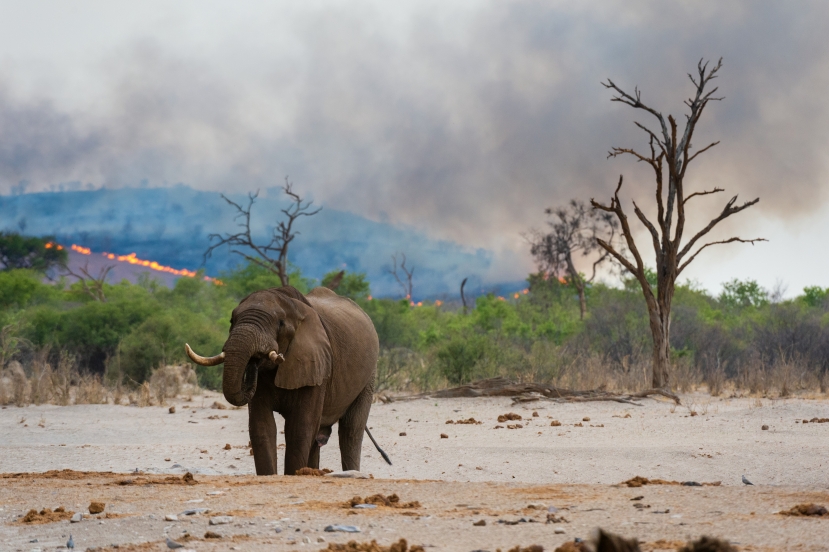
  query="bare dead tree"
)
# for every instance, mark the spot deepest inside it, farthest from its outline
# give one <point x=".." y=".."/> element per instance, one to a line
<point x="272" y="255"/>
<point x="406" y="283"/>
<point x="574" y="230"/>
<point x="463" y="297"/>
<point x="91" y="285"/>
<point x="670" y="154"/>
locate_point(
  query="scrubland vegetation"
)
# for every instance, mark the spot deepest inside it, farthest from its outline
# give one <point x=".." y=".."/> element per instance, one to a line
<point x="60" y="345"/>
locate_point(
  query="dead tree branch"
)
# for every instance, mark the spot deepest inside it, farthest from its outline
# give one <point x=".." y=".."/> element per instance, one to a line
<point x="91" y="285"/>
<point x="272" y="255"/>
<point x="528" y="392"/>
<point x="406" y="283"/>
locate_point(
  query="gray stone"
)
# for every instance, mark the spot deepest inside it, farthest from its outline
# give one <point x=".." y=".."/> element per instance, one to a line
<point x="350" y="474"/>
<point x="221" y="520"/>
<point x="342" y="529"/>
<point x="195" y="511"/>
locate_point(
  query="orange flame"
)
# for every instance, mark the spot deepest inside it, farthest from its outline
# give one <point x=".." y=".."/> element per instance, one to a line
<point x="132" y="258"/>
<point x="50" y="245"/>
<point x="438" y="302"/>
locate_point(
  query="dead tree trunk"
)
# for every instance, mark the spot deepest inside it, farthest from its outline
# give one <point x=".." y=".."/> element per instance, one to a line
<point x="670" y="155"/>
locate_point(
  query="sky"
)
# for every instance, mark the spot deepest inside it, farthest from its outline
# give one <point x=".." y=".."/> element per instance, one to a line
<point x="463" y="120"/>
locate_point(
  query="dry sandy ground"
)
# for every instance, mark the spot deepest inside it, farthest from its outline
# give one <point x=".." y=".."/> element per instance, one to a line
<point x="478" y="472"/>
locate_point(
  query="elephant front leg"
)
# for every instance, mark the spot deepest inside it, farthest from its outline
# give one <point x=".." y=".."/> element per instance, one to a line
<point x="262" y="429"/>
<point x="301" y="428"/>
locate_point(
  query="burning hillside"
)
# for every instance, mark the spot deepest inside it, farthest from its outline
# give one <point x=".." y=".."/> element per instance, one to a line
<point x="131" y="259"/>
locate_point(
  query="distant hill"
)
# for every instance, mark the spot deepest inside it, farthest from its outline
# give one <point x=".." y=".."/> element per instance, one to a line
<point x="171" y="226"/>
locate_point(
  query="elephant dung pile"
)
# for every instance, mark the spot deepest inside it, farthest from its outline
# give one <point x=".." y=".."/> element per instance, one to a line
<point x="468" y="421"/>
<point x="354" y="546"/>
<point x="313" y="471"/>
<point x="46" y="515"/>
<point x="807" y="510"/>
<point x="391" y="501"/>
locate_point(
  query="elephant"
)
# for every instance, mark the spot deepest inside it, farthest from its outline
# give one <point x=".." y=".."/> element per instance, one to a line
<point x="311" y="358"/>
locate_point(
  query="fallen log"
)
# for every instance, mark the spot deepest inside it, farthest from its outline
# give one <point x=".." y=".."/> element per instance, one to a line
<point x="527" y="392"/>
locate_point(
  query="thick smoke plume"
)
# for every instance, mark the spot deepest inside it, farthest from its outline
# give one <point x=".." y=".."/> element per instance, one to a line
<point x="461" y="120"/>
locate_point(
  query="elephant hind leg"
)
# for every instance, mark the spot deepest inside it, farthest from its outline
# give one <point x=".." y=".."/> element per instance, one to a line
<point x="352" y="426"/>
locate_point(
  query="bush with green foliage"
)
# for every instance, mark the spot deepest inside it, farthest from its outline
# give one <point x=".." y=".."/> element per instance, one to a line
<point x="535" y="335"/>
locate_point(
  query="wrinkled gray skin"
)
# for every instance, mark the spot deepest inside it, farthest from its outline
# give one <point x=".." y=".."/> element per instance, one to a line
<point x="330" y="353"/>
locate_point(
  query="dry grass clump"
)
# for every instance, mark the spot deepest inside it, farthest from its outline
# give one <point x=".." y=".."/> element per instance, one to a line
<point x="42" y="383"/>
<point x="171" y="381"/>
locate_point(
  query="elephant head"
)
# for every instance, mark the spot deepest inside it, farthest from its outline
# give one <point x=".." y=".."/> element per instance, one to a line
<point x="271" y="329"/>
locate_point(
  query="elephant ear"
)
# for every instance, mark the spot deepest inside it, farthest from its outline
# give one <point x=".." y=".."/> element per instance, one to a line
<point x="308" y="357"/>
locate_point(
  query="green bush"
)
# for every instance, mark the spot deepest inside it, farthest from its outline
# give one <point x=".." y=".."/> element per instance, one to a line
<point x="459" y="358"/>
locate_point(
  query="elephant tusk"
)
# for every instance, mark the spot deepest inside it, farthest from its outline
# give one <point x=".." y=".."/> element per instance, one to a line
<point x="276" y="357"/>
<point x="204" y="361"/>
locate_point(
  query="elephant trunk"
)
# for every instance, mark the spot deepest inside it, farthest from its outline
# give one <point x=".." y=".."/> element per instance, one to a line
<point x="240" y="374"/>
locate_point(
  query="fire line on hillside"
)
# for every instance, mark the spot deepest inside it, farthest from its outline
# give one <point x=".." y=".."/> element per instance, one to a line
<point x="152" y="265"/>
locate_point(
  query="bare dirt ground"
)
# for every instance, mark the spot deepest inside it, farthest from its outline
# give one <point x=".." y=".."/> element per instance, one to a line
<point x="476" y="473"/>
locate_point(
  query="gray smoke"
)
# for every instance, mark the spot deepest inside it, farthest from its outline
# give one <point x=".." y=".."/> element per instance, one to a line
<point x="461" y="120"/>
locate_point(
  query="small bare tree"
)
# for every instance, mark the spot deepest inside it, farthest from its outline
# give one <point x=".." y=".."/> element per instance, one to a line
<point x="405" y="280"/>
<point x="574" y="230"/>
<point x="91" y="285"/>
<point x="272" y="255"/>
<point x="670" y="154"/>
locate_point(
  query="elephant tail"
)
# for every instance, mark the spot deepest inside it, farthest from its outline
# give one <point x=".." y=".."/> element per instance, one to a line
<point x="381" y="451"/>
